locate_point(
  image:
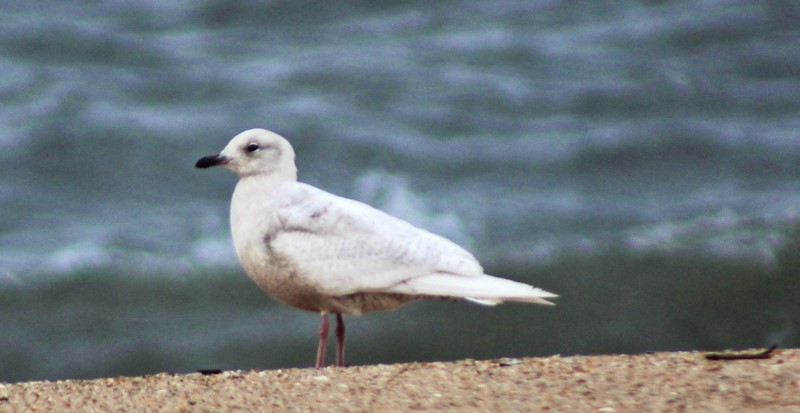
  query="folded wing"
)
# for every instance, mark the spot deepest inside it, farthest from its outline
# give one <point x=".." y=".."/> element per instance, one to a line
<point x="344" y="247"/>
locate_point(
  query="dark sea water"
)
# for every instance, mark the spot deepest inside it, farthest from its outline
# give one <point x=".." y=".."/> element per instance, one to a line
<point x="642" y="159"/>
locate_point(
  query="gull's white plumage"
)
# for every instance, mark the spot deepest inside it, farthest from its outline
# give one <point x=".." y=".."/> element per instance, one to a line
<point x="320" y="252"/>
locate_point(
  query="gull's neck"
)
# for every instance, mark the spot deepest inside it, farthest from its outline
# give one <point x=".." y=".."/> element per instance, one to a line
<point x="261" y="182"/>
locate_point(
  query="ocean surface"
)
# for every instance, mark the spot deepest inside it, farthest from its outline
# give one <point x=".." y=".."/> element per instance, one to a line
<point x="640" y="158"/>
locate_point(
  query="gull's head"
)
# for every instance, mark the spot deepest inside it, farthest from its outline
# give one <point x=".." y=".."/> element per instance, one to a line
<point x="255" y="152"/>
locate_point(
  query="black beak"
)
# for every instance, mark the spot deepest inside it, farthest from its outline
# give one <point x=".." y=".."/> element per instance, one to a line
<point x="212" y="160"/>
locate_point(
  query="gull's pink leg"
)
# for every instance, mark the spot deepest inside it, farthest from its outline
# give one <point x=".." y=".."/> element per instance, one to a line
<point x="339" y="340"/>
<point x="323" y="341"/>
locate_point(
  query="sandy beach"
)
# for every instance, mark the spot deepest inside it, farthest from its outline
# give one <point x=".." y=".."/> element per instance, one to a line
<point x="680" y="381"/>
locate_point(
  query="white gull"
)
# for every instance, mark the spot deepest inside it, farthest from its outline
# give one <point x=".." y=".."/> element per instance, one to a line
<point x="320" y="252"/>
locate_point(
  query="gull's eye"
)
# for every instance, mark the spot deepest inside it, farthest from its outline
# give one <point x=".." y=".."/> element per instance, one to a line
<point x="253" y="147"/>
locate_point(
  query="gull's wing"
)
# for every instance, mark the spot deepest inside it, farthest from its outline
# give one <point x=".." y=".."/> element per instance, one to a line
<point x="344" y="246"/>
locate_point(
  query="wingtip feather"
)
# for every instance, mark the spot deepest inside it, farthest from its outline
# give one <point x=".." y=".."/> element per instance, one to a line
<point x="484" y="290"/>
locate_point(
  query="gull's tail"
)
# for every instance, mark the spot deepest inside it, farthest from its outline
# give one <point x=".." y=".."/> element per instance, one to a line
<point x="484" y="289"/>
